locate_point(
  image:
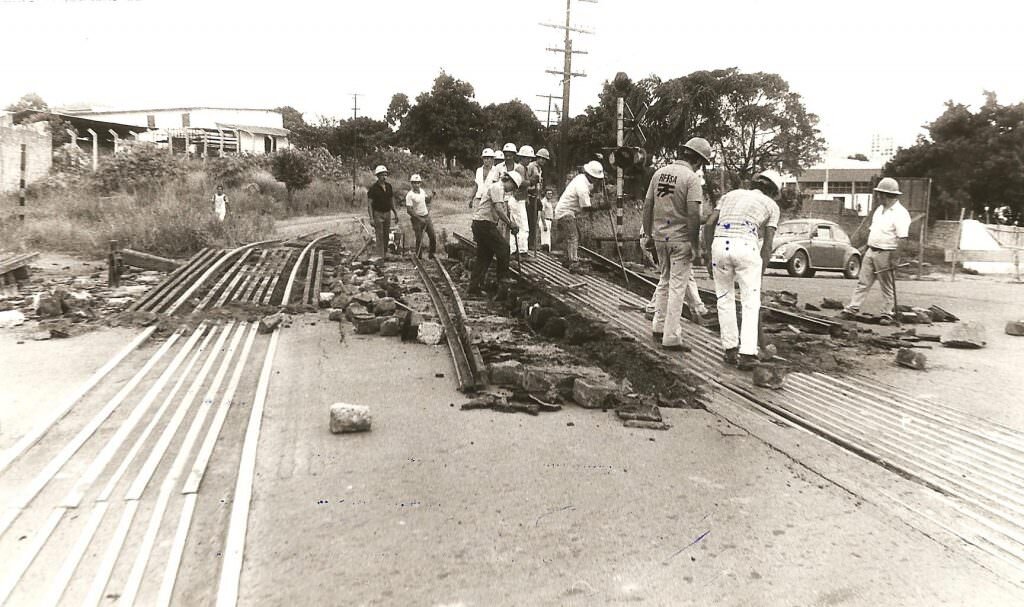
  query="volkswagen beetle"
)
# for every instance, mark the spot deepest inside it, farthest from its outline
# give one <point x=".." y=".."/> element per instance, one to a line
<point x="805" y="246"/>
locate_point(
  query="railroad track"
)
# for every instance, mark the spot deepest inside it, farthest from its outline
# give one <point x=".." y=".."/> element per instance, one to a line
<point x="144" y="474"/>
<point x="469" y="366"/>
<point x="976" y="465"/>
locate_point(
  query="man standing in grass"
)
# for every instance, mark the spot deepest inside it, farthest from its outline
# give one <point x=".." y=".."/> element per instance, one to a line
<point x="381" y="207"/>
<point x="417" y="203"/>
<point x="220" y="203"/>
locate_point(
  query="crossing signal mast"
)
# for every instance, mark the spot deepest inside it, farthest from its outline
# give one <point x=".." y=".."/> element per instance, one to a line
<point x="567" y="75"/>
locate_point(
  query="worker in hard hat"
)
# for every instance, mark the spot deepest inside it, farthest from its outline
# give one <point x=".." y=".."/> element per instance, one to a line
<point x="671" y="223"/>
<point x="517" y="204"/>
<point x="381" y="208"/>
<point x="417" y="204"/>
<point x="491" y="243"/>
<point x="743" y="230"/>
<point x="506" y="162"/>
<point x="574" y="199"/>
<point x="482" y="171"/>
<point x="890" y="228"/>
<point x="535" y="191"/>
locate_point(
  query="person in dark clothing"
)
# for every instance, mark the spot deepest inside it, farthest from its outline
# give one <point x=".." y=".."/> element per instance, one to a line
<point x="490" y="241"/>
<point x="381" y="207"/>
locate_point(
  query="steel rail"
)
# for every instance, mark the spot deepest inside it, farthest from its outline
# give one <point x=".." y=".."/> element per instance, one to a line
<point x="459" y="348"/>
<point x="198" y="283"/>
<point x="170" y="279"/>
<point x="268" y="297"/>
<point x="182" y="284"/>
<point x="219" y="285"/>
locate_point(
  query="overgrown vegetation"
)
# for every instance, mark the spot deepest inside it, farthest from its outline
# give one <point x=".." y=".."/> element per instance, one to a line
<point x="151" y="201"/>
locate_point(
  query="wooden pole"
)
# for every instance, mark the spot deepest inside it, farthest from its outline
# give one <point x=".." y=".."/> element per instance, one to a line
<point x="95" y="149"/>
<point x="924" y="229"/>
<point x="22" y="183"/>
<point x="956" y="244"/>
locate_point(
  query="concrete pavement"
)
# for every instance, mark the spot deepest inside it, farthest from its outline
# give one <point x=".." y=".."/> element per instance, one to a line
<point x="440" y="506"/>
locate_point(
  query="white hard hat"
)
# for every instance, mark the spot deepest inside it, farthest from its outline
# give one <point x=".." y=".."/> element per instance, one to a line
<point x="509" y="147"/>
<point x="498" y="155"/>
<point x="700" y="146"/>
<point x="594" y="169"/>
<point x="487" y="153"/>
<point x="515" y="177"/>
<point x="380" y="169"/>
<point x="771" y="176"/>
<point x="415" y="178"/>
<point x="888" y="185"/>
<point x="526" y="152"/>
<point x="544" y="153"/>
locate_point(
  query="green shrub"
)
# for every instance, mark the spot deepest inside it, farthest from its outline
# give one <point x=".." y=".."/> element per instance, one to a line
<point x="293" y="168"/>
<point x="138" y="167"/>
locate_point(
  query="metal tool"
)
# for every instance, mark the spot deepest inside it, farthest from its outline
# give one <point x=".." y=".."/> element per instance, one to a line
<point x="893" y="269"/>
<point x="519" y="261"/>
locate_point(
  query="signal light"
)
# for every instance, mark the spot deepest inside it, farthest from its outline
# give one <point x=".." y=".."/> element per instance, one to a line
<point x="627" y="158"/>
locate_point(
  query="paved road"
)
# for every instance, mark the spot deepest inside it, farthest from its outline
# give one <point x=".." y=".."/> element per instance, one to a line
<point x="437" y="506"/>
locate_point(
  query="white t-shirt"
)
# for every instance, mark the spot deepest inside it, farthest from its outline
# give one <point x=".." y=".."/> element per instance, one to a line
<point x="481" y="182"/>
<point x="888" y="226"/>
<point x="575" y="197"/>
<point x="417" y="202"/>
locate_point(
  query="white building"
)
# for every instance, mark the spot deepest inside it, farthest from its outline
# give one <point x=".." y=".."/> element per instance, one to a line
<point x="200" y="130"/>
<point x="839" y="179"/>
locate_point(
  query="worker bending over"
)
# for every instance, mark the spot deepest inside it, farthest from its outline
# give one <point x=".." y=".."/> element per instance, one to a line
<point x="575" y="198"/>
<point x="741" y="218"/>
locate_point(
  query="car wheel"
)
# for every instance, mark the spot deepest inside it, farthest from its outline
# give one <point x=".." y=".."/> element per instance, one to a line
<point x="852" y="267"/>
<point x="799" y="266"/>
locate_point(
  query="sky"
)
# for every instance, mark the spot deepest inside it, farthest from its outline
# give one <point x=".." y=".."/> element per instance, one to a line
<point x="863" y="67"/>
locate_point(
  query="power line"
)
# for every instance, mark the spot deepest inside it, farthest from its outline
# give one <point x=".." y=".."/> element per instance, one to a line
<point x="549" y="97"/>
<point x="567" y="75"/>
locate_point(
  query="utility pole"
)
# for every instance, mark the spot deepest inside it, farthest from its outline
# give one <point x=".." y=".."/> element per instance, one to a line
<point x="567" y="75"/>
<point x="355" y="114"/>
<point x="547" y="122"/>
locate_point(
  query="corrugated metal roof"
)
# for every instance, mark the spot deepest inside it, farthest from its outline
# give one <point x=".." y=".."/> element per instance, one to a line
<point x="262" y="130"/>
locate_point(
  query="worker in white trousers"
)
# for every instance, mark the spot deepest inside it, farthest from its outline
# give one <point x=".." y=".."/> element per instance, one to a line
<point x="741" y="218"/>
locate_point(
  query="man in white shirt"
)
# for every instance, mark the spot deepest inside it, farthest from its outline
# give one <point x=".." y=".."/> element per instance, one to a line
<point x="743" y="228"/>
<point x="417" y="204"/>
<point x="482" y="173"/>
<point x="575" y="198"/>
<point x="220" y="203"/>
<point x="890" y="227"/>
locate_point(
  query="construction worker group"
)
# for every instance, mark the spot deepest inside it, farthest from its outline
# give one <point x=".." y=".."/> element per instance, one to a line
<point x="515" y="212"/>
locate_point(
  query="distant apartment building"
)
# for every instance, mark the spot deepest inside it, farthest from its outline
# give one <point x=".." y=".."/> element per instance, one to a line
<point x="839" y="180"/>
<point x="196" y="130"/>
<point x="882" y="148"/>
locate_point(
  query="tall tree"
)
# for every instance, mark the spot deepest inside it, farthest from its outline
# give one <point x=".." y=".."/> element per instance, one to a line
<point x="445" y="122"/>
<point x="398" y="109"/>
<point x="974" y="158"/>
<point x="511" y="121"/>
<point x="753" y="120"/>
<point x="28" y="101"/>
<point x="292" y="117"/>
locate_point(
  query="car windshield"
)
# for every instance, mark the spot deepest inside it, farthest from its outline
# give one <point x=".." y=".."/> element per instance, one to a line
<point x="794" y="229"/>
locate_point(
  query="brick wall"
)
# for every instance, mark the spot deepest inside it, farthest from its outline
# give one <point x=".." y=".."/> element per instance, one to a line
<point x="39" y="154"/>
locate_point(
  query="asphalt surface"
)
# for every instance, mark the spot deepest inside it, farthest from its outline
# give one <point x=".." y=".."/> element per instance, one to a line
<point x="437" y="506"/>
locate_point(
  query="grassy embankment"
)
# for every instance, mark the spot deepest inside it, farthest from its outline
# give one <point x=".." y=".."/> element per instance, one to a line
<point x="176" y="219"/>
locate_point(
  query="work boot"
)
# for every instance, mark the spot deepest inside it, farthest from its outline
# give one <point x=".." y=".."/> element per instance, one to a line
<point x="731" y="356"/>
<point x="657" y="336"/>
<point x="679" y="347"/>
<point x="746" y="362"/>
<point x="847" y="315"/>
<point x="575" y="268"/>
<point x="885" y="320"/>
